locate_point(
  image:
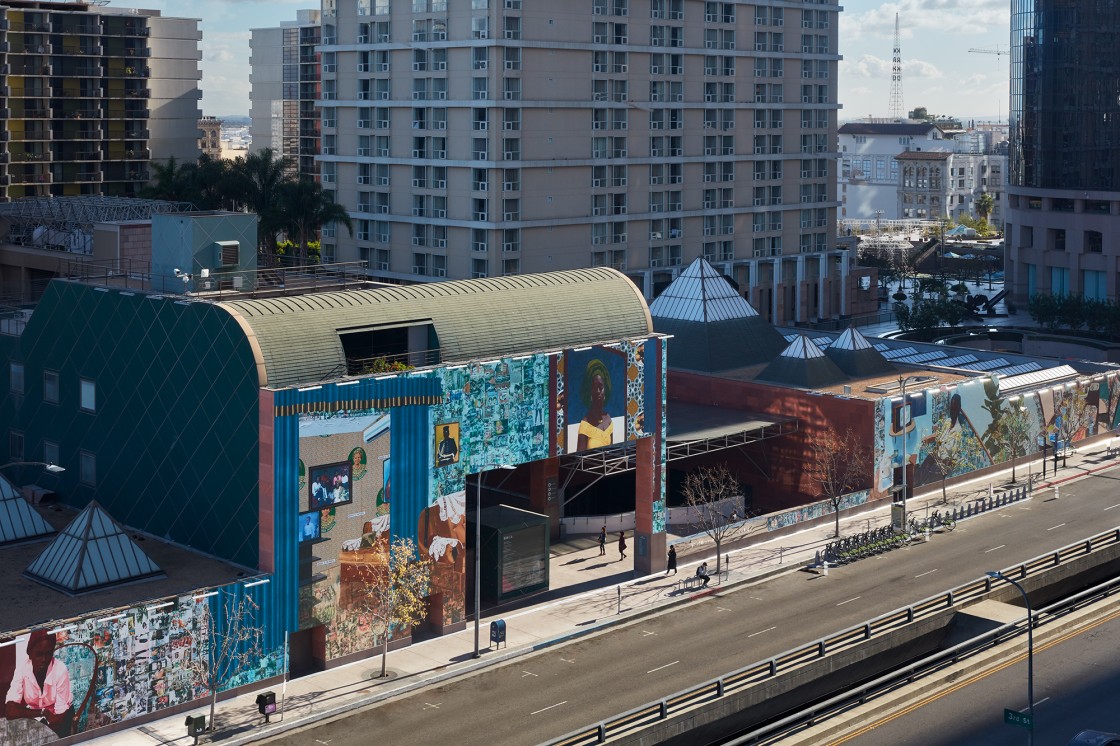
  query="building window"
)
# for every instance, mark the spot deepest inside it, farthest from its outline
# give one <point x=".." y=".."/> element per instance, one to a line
<point x="1094" y="242"/>
<point x="15" y="446"/>
<point x="50" y="452"/>
<point x="50" y="387"/>
<point x="87" y="468"/>
<point x="88" y="395"/>
<point x="15" y="383"/>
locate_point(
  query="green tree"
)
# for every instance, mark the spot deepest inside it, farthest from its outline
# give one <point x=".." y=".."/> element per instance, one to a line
<point x="1043" y="310"/>
<point x="307" y="208"/>
<point x="984" y="206"/>
<point x="1014" y="433"/>
<point x="920" y="113"/>
<point x="257" y="181"/>
<point x="172" y="181"/>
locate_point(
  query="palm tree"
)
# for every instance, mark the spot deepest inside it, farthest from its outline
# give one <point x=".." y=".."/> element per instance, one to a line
<point x="257" y="182"/>
<point x="307" y="209"/>
<point x="984" y="205"/>
<point x="212" y="184"/>
<point x="171" y="181"/>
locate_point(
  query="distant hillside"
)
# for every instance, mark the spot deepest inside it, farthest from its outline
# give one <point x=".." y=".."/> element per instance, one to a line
<point x="236" y="119"/>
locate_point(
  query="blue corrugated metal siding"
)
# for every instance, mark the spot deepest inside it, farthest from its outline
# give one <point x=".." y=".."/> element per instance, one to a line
<point x="284" y="612"/>
<point x="409" y="470"/>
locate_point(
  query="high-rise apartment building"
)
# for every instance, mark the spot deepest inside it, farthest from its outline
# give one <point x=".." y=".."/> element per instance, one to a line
<point x="499" y="137"/>
<point x="92" y="95"/>
<point x="1063" y="216"/>
<point x="284" y="88"/>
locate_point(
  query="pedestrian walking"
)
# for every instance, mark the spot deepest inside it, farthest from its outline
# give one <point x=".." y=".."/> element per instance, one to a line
<point x="702" y="573"/>
<point x="672" y="565"/>
<point x="602" y="541"/>
<point x="622" y="545"/>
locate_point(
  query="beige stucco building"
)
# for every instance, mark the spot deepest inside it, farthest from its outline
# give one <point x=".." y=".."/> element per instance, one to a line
<point x="503" y="137"/>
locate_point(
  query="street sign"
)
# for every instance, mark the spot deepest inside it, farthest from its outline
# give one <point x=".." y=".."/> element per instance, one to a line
<point x="1014" y="717"/>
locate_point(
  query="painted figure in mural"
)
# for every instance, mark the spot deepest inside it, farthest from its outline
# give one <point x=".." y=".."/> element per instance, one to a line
<point x="358" y="463"/>
<point x="597" y="428"/>
<point x="442" y="532"/>
<point x="319" y="491"/>
<point x="40" y="687"/>
<point x="447" y="452"/>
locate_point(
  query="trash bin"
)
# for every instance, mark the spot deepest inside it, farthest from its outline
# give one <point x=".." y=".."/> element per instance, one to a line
<point x="266" y="704"/>
<point x="196" y="725"/>
<point x="498" y="632"/>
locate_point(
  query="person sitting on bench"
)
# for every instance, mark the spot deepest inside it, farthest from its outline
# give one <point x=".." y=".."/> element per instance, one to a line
<point x="702" y="573"/>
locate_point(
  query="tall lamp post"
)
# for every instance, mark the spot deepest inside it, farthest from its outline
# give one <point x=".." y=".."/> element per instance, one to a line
<point x="478" y="548"/>
<point x="1030" y="650"/>
<point x="904" y="418"/>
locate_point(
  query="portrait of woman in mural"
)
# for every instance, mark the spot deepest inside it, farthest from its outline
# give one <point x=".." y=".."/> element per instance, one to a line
<point x="40" y="688"/>
<point x="596" y="419"/>
<point x="357" y="463"/>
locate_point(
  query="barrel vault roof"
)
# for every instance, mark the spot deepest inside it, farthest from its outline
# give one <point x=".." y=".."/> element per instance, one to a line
<point x="297" y="340"/>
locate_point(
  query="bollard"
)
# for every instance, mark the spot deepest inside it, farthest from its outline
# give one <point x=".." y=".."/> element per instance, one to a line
<point x="620" y="599"/>
<point x="1056" y="495"/>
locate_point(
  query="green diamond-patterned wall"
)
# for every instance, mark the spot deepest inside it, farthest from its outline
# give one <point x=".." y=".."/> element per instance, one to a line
<point x="175" y="432"/>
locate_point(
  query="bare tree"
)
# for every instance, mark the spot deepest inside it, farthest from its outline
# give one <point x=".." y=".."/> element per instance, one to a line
<point x="1014" y="433"/>
<point x="235" y="645"/>
<point x="394" y="595"/>
<point x="837" y="465"/>
<point x="705" y="492"/>
<point x="949" y="452"/>
<point x="1074" y="416"/>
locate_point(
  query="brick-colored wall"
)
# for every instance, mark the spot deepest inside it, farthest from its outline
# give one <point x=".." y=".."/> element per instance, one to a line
<point x="775" y="468"/>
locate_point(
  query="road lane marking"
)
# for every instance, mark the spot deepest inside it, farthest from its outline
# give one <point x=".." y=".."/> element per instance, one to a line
<point x="1110" y="507"/>
<point x="549" y="707"/>
<point x="432" y="706"/>
<point x="1001" y="546"/>
<point x="566" y="660"/>
<point x="969" y="681"/>
<point x="761" y="631"/>
<point x="720" y="608"/>
<point x="665" y="666"/>
<point x="1054" y="527"/>
<point x="647" y="633"/>
<point x="849" y="601"/>
<point x="528" y="673"/>
<point x="927" y="572"/>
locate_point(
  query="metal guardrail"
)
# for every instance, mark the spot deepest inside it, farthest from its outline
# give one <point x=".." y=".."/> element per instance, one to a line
<point x="862" y="693"/>
<point x="836" y="642"/>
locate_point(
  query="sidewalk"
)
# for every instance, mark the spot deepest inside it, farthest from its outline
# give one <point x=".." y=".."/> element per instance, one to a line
<point x="615" y="597"/>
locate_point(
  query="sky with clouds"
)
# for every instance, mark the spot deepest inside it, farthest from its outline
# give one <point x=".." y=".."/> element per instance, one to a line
<point x="938" y="71"/>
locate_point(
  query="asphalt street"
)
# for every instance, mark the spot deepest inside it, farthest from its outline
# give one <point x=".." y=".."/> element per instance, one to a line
<point x="1076" y="686"/>
<point x="545" y="695"/>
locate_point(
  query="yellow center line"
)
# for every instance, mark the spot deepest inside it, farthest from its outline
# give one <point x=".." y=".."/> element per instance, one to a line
<point x="971" y="680"/>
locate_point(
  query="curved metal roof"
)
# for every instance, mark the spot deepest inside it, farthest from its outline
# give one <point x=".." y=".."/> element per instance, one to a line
<point x="296" y="338"/>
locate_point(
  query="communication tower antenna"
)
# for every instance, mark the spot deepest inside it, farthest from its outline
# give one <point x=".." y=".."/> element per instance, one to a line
<point x="897" y="110"/>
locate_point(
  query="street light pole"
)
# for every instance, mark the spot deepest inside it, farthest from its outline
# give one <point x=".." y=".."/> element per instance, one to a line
<point x="1030" y="650"/>
<point x="903" y="421"/>
<point x="478" y="549"/>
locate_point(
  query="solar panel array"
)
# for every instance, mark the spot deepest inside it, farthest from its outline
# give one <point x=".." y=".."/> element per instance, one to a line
<point x="925" y="357"/>
<point x="953" y="362"/>
<point x="896" y="354"/>
<point x="999" y="362"/>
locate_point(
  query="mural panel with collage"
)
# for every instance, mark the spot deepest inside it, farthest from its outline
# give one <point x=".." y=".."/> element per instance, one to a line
<point x="343" y="529"/>
<point x="492" y="413"/>
<point x="109" y="669"/>
<point x="957" y="429"/>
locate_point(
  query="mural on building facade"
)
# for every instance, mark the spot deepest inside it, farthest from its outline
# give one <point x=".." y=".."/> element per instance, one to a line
<point x="84" y="674"/>
<point x="504" y="411"/>
<point x="345" y="517"/>
<point x="956" y="429"/>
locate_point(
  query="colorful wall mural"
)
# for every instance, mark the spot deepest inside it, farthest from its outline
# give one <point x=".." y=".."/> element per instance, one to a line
<point x="952" y="430"/>
<point x="84" y="674"/>
<point x="505" y="411"/>
<point x="344" y="517"/>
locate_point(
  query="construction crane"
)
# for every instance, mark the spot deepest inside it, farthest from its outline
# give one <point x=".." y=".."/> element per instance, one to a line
<point x="996" y="51"/>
